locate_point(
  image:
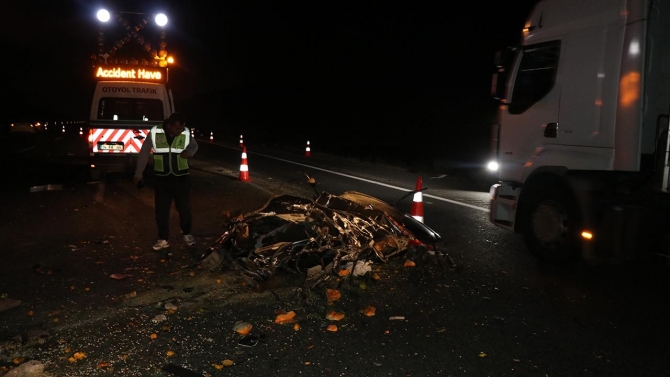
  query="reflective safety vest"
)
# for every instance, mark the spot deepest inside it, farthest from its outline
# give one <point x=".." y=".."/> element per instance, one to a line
<point x="167" y="158"/>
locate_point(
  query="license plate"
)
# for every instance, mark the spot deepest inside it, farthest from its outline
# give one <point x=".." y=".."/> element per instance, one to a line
<point x="117" y="146"/>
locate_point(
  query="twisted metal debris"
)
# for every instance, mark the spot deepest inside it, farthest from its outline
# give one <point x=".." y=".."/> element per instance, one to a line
<point x="295" y="235"/>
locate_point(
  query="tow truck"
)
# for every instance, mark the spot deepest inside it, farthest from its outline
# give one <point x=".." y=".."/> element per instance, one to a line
<point x="131" y="89"/>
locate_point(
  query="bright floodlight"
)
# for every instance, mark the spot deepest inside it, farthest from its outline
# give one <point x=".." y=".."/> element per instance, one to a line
<point x="103" y="15"/>
<point x="161" y="19"/>
<point x="492" y="166"/>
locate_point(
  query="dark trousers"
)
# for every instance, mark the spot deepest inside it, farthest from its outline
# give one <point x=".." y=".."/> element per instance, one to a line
<point x="166" y="190"/>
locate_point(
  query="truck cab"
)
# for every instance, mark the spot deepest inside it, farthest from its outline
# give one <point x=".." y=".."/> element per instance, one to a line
<point x="581" y="141"/>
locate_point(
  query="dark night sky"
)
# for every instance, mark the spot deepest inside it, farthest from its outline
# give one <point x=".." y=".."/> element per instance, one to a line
<point x="267" y="66"/>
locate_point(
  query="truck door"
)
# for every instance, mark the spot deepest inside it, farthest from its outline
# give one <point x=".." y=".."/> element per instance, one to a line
<point x="529" y="116"/>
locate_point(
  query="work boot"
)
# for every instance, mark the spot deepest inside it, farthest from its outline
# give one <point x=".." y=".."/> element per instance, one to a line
<point x="161" y="244"/>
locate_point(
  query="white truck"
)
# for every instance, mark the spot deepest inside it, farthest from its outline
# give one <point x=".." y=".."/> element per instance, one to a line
<point x="131" y="93"/>
<point x="581" y="140"/>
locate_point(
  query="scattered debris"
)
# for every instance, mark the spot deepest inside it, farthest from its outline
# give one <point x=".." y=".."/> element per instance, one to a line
<point x="369" y="311"/>
<point x="32" y="368"/>
<point x="333" y="295"/>
<point x="159" y="318"/>
<point x="361" y="268"/>
<point x="285" y="318"/>
<point x="242" y="328"/>
<point x="224" y="364"/>
<point x="334" y="316"/>
<point x="118" y="276"/>
<point x="315" y="272"/>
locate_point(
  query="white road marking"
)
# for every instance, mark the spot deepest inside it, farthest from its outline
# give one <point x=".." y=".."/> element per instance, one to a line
<point x="365" y="180"/>
<point x="25" y="149"/>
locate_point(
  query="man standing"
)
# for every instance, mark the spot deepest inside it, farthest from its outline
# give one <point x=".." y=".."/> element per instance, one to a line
<point x="172" y="146"/>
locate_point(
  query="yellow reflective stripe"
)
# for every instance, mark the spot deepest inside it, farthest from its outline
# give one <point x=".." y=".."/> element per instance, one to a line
<point x="167" y="150"/>
<point x="164" y="147"/>
<point x="160" y="142"/>
<point x="187" y="138"/>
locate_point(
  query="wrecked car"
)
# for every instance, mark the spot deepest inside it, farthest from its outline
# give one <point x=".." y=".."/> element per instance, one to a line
<point x="316" y="238"/>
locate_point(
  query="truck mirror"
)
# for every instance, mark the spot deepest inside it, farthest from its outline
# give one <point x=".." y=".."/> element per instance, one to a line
<point x="498" y="81"/>
<point x="502" y="62"/>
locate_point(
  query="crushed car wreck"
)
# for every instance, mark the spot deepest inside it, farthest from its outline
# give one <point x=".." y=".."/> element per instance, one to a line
<point x="316" y="238"/>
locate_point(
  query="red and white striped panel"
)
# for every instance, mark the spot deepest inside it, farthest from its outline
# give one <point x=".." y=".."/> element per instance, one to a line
<point x="132" y="138"/>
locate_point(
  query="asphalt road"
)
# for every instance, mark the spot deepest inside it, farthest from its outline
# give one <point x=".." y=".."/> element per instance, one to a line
<point x="483" y="308"/>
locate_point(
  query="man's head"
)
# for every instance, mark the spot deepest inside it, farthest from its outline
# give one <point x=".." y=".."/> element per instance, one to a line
<point x="174" y="125"/>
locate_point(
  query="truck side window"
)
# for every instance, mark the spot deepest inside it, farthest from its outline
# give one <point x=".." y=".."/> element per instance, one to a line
<point x="536" y="75"/>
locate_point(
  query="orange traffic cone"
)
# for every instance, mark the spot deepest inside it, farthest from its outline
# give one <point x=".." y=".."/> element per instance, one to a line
<point x="308" y="151"/>
<point x="244" y="167"/>
<point x="81" y="131"/>
<point x="211" y="137"/>
<point x="241" y="141"/>
<point x="417" y="202"/>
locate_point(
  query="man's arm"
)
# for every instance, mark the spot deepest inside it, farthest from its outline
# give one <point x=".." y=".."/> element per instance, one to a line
<point x="190" y="149"/>
<point x="143" y="158"/>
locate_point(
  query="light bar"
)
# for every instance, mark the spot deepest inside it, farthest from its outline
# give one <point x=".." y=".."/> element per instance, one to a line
<point x="161" y="19"/>
<point x="103" y="15"/>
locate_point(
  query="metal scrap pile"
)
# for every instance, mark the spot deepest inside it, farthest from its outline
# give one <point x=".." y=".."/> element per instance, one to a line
<point x="295" y="235"/>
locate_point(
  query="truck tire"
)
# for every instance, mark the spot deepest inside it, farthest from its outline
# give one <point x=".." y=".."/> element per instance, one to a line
<point x="552" y="225"/>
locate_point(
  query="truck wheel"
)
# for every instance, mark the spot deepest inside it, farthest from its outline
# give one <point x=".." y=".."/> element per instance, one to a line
<point x="552" y="225"/>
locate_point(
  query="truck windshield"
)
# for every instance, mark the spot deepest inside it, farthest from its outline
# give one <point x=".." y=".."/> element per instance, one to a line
<point x="111" y="108"/>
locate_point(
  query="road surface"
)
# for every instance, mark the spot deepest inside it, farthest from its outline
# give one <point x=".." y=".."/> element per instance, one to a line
<point x="494" y="312"/>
